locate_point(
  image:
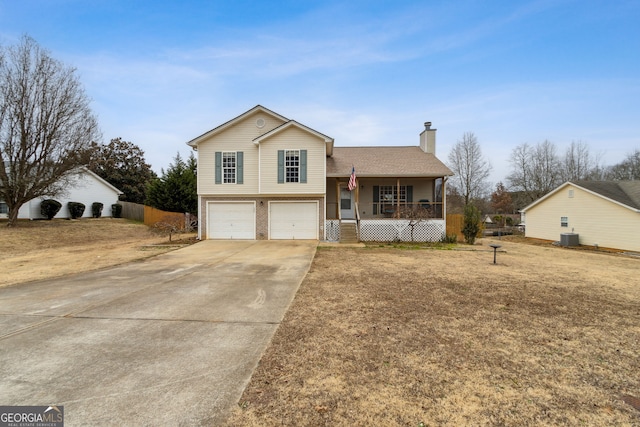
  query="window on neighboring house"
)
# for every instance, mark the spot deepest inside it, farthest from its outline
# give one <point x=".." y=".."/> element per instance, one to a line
<point x="564" y="221"/>
<point x="292" y="165"/>
<point x="4" y="208"/>
<point x="229" y="167"/>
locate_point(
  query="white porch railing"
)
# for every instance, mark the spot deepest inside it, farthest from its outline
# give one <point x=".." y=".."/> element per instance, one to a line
<point x="392" y="230"/>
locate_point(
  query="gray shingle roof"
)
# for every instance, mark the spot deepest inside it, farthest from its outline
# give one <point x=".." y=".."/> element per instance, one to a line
<point x="625" y="192"/>
<point x="385" y="162"/>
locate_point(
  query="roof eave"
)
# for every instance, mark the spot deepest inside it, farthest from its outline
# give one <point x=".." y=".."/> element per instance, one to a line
<point x="594" y="193"/>
<point x="195" y="141"/>
<point x="391" y="175"/>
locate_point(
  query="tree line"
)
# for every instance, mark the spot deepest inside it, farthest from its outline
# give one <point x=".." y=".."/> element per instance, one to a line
<point x="48" y="131"/>
<point x="122" y="164"/>
<point x="535" y="170"/>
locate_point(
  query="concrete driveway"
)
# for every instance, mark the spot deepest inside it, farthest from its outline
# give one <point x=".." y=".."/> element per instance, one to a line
<point x="172" y="340"/>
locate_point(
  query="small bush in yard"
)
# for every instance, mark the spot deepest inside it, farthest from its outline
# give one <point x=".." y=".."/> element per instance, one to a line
<point x="471" y="224"/>
<point x="116" y="210"/>
<point x="96" y="209"/>
<point x="49" y="208"/>
<point x="170" y="225"/>
<point x="76" y="209"/>
<point x="449" y="238"/>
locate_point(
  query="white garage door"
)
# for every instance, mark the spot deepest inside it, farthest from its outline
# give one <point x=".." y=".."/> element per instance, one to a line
<point x="231" y="220"/>
<point x="293" y="220"/>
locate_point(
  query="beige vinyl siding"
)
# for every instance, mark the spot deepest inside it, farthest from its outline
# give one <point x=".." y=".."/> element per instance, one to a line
<point x="238" y="137"/>
<point x="596" y="220"/>
<point x="293" y="139"/>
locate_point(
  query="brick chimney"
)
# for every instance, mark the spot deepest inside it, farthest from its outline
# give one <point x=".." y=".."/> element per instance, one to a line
<point x="428" y="139"/>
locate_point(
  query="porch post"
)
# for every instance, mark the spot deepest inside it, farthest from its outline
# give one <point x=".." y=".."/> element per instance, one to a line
<point x="444" y="199"/>
<point x="398" y="198"/>
<point x="338" y="198"/>
<point x="357" y="198"/>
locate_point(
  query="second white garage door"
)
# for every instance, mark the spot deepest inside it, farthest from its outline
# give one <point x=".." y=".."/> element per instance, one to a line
<point x="232" y="220"/>
<point x="293" y="220"/>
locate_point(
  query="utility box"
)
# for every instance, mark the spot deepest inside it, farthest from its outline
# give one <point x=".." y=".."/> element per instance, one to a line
<point x="569" y="239"/>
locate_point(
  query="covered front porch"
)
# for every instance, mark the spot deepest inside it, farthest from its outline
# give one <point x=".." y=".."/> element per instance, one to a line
<point x="386" y="209"/>
<point x="383" y="198"/>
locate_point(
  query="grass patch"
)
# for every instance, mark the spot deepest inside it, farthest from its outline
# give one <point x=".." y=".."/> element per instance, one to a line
<point x="394" y="335"/>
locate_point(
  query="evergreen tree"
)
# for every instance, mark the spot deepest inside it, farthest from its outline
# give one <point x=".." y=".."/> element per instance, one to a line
<point x="471" y="225"/>
<point x="176" y="190"/>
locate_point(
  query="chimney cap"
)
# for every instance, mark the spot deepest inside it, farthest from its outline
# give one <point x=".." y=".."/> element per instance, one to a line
<point x="427" y="125"/>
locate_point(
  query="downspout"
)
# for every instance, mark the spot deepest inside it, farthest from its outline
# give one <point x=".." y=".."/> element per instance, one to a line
<point x="200" y="222"/>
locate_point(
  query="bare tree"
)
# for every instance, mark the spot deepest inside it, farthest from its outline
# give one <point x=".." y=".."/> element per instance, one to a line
<point x="46" y="125"/>
<point x="470" y="168"/>
<point x="416" y="215"/>
<point x="579" y="164"/>
<point x="535" y="170"/>
<point x="627" y="170"/>
<point x="170" y="224"/>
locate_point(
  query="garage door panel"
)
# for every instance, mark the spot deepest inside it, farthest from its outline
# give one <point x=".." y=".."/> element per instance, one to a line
<point x="233" y="220"/>
<point x="293" y="220"/>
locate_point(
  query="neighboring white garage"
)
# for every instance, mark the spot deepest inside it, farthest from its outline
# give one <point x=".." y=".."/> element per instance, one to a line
<point x="293" y="220"/>
<point x="231" y="220"/>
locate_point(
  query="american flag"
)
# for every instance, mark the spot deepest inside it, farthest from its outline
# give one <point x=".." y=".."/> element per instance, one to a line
<point x="352" y="179"/>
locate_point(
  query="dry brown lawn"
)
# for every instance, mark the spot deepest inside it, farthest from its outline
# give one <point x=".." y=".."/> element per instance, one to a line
<point x="422" y="337"/>
<point x="36" y="250"/>
<point x="388" y="335"/>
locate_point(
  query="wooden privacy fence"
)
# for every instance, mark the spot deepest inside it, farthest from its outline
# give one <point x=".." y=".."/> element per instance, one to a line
<point x="152" y="216"/>
<point x="133" y="211"/>
<point x="455" y="223"/>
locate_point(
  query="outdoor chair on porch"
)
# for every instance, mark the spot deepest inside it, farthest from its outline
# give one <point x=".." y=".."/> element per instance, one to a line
<point x="388" y="210"/>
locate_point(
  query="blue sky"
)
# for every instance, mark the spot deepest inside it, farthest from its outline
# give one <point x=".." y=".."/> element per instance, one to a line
<point x="363" y="72"/>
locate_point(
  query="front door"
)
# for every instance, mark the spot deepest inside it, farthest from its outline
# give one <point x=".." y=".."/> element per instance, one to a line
<point x="347" y="207"/>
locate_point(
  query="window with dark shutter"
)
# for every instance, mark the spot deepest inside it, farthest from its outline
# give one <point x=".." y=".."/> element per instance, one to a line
<point x="280" y="166"/>
<point x="376" y="199"/>
<point x="218" y="171"/>
<point x="292" y="166"/>
<point x="229" y="167"/>
<point x="240" y="167"/>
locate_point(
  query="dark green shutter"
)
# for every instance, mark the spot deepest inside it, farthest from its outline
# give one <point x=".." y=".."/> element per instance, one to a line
<point x="280" y="166"/>
<point x="218" y="167"/>
<point x="303" y="166"/>
<point x="376" y="199"/>
<point x="409" y="193"/>
<point x="239" y="167"/>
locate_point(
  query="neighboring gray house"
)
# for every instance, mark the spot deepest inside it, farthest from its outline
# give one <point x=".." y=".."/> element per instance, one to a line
<point x="86" y="188"/>
<point x="602" y="213"/>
